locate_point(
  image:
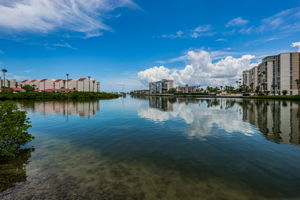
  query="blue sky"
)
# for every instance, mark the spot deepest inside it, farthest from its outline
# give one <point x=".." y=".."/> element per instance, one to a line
<point x="124" y="43"/>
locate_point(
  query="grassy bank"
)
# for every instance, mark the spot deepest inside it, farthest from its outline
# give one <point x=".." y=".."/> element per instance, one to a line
<point x="56" y="96"/>
<point x="280" y="97"/>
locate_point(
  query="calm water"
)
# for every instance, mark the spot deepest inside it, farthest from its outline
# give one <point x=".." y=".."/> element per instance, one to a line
<point x="158" y="148"/>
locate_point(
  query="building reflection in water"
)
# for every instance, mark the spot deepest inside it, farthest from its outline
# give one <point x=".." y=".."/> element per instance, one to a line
<point x="82" y="109"/>
<point x="278" y="121"/>
<point x="163" y="104"/>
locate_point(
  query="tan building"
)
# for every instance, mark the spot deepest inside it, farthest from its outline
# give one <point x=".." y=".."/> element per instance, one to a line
<point x="11" y="83"/>
<point x="253" y="78"/>
<point x="276" y="74"/>
<point x="246" y="77"/>
<point x="162" y="86"/>
<point x="82" y="84"/>
<point x="187" y="89"/>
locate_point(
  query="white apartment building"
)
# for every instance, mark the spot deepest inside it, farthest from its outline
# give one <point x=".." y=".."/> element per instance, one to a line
<point x="246" y="77"/>
<point x="275" y="74"/>
<point x="11" y="83"/>
<point x="162" y="86"/>
<point x="187" y="89"/>
<point x="81" y="84"/>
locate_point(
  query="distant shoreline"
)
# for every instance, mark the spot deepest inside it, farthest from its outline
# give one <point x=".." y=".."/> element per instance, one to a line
<point x="281" y="97"/>
<point x="57" y="96"/>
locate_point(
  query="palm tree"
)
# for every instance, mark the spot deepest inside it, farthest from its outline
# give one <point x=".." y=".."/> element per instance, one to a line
<point x="273" y="86"/>
<point x="251" y="86"/>
<point x="89" y="83"/>
<point x="64" y="81"/>
<point x="67" y="81"/>
<point x="298" y="85"/>
<point x="94" y="85"/>
<point x="4" y="71"/>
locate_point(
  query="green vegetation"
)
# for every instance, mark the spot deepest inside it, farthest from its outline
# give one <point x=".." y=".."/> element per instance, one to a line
<point x="279" y="97"/>
<point x="13" y="129"/>
<point x="56" y="95"/>
<point x="28" y="88"/>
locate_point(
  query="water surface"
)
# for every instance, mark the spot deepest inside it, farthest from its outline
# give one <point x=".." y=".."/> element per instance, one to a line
<point x="158" y="148"/>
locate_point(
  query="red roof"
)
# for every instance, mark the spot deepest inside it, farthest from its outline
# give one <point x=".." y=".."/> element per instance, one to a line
<point x="70" y="79"/>
<point x="81" y="79"/>
<point x="43" y="80"/>
<point x="57" y="80"/>
<point x="33" y="81"/>
<point x="17" y="89"/>
<point x="24" y="81"/>
<point x="53" y="90"/>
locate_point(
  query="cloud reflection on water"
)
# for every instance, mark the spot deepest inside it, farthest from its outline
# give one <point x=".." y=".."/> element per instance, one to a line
<point x="203" y="117"/>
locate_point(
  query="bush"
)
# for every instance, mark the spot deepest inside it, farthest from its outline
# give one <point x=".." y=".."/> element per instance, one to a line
<point x="13" y="129"/>
<point x="284" y="92"/>
<point x="28" y="88"/>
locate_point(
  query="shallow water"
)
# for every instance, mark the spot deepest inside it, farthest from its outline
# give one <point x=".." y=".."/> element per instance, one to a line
<point x="158" y="148"/>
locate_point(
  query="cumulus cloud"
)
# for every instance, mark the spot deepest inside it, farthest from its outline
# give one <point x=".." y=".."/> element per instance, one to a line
<point x="43" y="16"/>
<point x="239" y="21"/>
<point x="200" y="70"/>
<point x="296" y="44"/>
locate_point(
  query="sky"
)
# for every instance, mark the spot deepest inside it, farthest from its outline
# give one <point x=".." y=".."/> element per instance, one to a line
<point x="125" y="44"/>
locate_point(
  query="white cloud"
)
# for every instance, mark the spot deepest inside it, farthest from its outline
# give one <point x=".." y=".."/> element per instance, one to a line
<point x="204" y="30"/>
<point x="239" y="21"/>
<point x="199" y="31"/>
<point x="201" y="70"/>
<point x="221" y="40"/>
<point x="44" y="16"/>
<point x="63" y="45"/>
<point x="178" y="34"/>
<point x="296" y="44"/>
<point x="284" y="22"/>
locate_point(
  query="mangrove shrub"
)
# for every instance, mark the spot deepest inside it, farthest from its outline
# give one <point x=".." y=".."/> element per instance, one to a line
<point x="13" y="129"/>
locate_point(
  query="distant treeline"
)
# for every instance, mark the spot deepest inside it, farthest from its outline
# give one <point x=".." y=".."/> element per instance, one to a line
<point x="279" y="97"/>
<point x="57" y="95"/>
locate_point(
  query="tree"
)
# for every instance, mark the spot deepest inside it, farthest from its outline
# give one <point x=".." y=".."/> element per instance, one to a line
<point x="284" y="92"/>
<point x="13" y="129"/>
<point x="64" y="82"/>
<point x="251" y="86"/>
<point x="172" y="90"/>
<point x="273" y="87"/>
<point x="89" y="77"/>
<point x="67" y="81"/>
<point x="28" y="88"/>
<point x="298" y="85"/>
<point x="4" y="71"/>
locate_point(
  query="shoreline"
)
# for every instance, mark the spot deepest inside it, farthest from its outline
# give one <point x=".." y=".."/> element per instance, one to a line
<point x="57" y="96"/>
<point x="281" y="97"/>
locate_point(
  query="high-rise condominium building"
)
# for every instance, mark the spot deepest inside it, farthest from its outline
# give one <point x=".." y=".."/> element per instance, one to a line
<point x="11" y="83"/>
<point x="275" y="74"/>
<point x="162" y="86"/>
